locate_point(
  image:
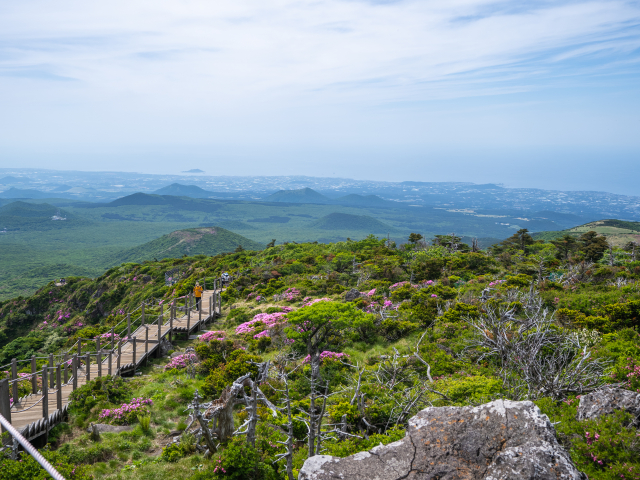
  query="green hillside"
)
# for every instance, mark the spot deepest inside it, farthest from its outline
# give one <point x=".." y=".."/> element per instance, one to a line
<point x="619" y="232"/>
<point x="420" y="333"/>
<point x="303" y="195"/>
<point x="180" y="190"/>
<point x="345" y="221"/>
<point x="192" y="241"/>
<point x="364" y="201"/>
<point x="19" y="215"/>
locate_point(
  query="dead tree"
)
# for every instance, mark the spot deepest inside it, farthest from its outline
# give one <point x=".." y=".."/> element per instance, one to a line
<point x="579" y="273"/>
<point x="248" y="428"/>
<point x="282" y="373"/>
<point x="215" y="419"/>
<point x="612" y="258"/>
<point x="535" y="358"/>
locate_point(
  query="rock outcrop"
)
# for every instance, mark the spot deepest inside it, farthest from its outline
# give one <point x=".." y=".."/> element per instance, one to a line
<point x="351" y="295"/>
<point x="501" y="440"/>
<point x="98" y="428"/>
<point x="607" y="400"/>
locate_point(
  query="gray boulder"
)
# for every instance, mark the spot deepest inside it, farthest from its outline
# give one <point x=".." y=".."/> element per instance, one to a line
<point x="607" y="400"/>
<point x="98" y="428"/>
<point x="501" y="440"/>
<point x="351" y="295"/>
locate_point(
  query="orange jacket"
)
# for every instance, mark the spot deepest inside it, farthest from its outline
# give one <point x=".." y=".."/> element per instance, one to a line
<point x="197" y="291"/>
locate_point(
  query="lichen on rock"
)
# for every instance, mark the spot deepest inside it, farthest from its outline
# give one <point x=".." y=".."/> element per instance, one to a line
<point x="500" y="440"/>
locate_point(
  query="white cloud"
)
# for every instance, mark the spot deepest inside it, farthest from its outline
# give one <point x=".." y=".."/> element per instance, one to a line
<point x="181" y="70"/>
<point x="228" y="50"/>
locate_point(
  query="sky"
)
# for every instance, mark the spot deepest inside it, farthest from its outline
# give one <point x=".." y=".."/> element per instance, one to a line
<point x="527" y="93"/>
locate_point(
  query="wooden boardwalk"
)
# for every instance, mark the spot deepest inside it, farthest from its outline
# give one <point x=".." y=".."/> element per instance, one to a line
<point x="28" y="416"/>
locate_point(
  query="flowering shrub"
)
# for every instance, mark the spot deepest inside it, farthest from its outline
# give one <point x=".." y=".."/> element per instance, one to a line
<point x="408" y="284"/>
<point x="62" y="314"/>
<point x="289" y="295"/>
<point x="315" y="300"/>
<point x="327" y="355"/>
<point x="128" y="412"/>
<point x="262" y="319"/>
<point x="213" y="335"/>
<point x="181" y="361"/>
<point x="106" y="337"/>
<point x="24" y="383"/>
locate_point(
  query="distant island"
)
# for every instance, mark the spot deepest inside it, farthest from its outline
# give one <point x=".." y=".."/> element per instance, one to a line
<point x="193" y="170"/>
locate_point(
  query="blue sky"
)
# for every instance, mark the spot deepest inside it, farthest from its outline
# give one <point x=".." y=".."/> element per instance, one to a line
<point x="529" y="93"/>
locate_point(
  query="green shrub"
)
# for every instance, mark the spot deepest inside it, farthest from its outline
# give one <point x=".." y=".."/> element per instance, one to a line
<point x="236" y="366"/>
<point x="351" y="446"/>
<point x="109" y="389"/>
<point x="605" y="448"/>
<point x="27" y="468"/>
<point x="175" y="451"/>
<point x="145" y="423"/>
<point x="238" y="461"/>
<point x="519" y="281"/>
<point x="393" y="329"/>
<point x="475" y="388"/>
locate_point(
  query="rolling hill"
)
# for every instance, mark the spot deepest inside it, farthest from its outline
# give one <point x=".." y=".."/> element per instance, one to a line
<point x="365" y="201"/>
<point x="192" y="241"/>
<point x="35" y="216"/>
<point x="25" y="193"/>
<point x="345" y="221"/>
<point x="180" y="190"/>
<point x="618" y="232"/>
<point x="303" y="195"/>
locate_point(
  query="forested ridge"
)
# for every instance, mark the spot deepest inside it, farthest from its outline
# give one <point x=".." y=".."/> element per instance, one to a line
<point x="331" y="348"/>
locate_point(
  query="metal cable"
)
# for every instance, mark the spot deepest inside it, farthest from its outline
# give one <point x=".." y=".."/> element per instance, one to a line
<point x="30" y="449"/>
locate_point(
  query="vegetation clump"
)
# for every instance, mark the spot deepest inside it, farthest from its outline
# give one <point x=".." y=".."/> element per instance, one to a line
<point x="331" y="348"/>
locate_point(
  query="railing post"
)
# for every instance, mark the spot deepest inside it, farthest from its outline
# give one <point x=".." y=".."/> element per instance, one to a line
<point x="144" y="317"/>
<point x="79" y="347"/>
<point x="87" y="374"/>
<point x="98" y="357"/>
<point x="134" y="356"/>
<point x="14" y="377"/>
<point x="51" y="380"/>
<point x="160" y="322"/>
<point x="129" y="323"/>
<point x="189" y="317"/>
<point x="113" y="333"/>
<point x="59" y="392"/>
<point x="119" y="355"/>
<point x="172" y="312"/>
<point x="110" y="358"/>
<point x="74" y="371"/>
<point x="45" y="392"/>
<point x="146" y="341"/>
<point x="34" y="378"/>
<point x="200" y="315"/>
<point x="5" y="403"/>
<point x="66" y="367"/>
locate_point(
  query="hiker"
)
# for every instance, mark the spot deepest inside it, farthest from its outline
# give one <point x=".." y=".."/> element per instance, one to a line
<point x="197" y="292"/>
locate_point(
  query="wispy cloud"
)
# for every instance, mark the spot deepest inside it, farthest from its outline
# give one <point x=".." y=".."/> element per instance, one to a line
<point x="314" y="71"/>
<point x="288" y="47"/>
